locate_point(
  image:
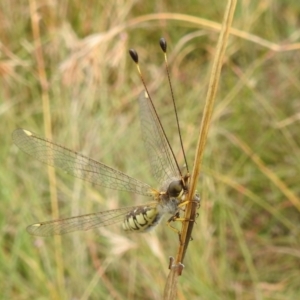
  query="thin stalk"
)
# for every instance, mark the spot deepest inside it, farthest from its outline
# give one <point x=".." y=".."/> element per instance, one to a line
<point x="191" y="207"/>
<point x="43" y="81"/>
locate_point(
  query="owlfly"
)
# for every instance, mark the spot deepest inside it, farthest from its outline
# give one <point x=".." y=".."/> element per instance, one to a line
<point x="169" y="198"/>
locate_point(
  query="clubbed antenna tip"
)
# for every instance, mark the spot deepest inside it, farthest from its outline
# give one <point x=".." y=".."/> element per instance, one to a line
<point x="163" y="44"/>
<point x="134" y="55"/>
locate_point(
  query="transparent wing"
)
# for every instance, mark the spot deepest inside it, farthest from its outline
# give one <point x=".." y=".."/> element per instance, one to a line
<point x="163" y="164"/>
<point x="76" y="164"/>
<point x="84" y="222"/>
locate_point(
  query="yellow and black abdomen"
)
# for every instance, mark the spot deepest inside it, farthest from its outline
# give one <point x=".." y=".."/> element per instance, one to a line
<point x="141" y="219"/>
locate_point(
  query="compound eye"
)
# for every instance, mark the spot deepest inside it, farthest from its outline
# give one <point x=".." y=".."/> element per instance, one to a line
<point x="175" y="188"/>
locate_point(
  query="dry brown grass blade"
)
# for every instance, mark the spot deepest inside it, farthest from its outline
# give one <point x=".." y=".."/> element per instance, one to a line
<point x="85" y="49"/>
<point x="95" y="40"/>
<point x="190" y="210"/>
<point x="267" y="171"/>
<point x="211" y="25"/>
<point x="44" y="84"/>
<point x="252" y="196"/>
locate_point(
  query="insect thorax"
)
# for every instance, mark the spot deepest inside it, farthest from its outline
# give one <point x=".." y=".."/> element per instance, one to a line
<point x="145" y="218"/>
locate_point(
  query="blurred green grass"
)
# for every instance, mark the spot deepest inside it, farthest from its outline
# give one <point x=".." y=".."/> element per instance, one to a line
<point x="246" y="241"/>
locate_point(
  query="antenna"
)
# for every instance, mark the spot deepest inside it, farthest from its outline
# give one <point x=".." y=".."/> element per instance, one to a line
<point x="163" y="45"/>
<point x="135" y="58"/>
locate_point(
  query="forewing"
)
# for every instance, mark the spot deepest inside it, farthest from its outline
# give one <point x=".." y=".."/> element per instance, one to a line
<point x="84" y="222"/>
<point x="162" y="161"/>
<point x="77" y="164"/>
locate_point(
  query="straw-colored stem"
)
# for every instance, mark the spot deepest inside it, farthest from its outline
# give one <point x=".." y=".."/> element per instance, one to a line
<point x="190" y="210"/>
<point x="44" y="84"/>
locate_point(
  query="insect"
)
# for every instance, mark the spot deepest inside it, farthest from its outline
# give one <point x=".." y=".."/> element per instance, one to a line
<point x="167" y="199"/>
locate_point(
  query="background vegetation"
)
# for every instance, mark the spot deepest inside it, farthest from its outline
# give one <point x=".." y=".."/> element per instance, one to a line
<point x="246" y="244"/>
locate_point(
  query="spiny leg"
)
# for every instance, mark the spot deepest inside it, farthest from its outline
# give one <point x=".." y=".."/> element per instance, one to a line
<point x="177" y="218"/>
<point x="196" y="199"/>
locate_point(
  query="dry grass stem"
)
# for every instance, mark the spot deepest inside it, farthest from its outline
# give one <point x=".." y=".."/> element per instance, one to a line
<point x="191" y="207"/>
<point x="44" y="84"/>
